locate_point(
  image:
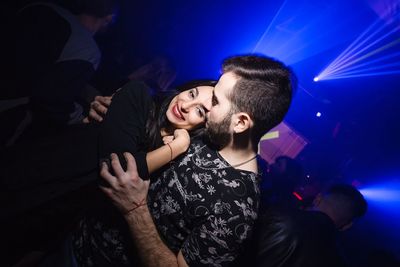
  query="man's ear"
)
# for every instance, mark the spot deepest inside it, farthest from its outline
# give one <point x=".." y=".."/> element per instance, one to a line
<point x="242" y="122"/>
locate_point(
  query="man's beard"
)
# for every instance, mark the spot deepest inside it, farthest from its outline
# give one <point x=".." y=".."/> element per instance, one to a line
<point x="218" y="133"/>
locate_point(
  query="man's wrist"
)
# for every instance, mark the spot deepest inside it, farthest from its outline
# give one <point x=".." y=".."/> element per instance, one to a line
<point x="137" y="210"/>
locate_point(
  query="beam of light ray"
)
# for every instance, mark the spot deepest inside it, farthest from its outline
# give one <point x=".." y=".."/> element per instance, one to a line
<point x="365" y="48"/>
<point x="346" y="73"/>
<point x="391" y="56"/>
<point x="270" y="25"/>
<point x="329" y="72"/>
<point x="332" y="73"/>
<point x="342" y="59"/>
<point x="362" y="75"/>
<point x="323" y="100"/>
<point x="290" y="41"/>
<point x="355" y="42"/>
<point x="344" y="56"/>
<point x="303" y="44"/>
<point x="358" y="43"/>
<point x="355" y="45"/>
<point x="381" y="194"/>
<point x="332" y="69"/>
<point x="358" y="74"/>
<point x="380" y="49"/>
<point x="384" y="192"/>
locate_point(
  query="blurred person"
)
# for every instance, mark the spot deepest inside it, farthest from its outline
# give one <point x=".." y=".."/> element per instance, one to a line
<point x="307" y="238"/>
<point x="57" y="56"/>
<point x="279" y="183"/>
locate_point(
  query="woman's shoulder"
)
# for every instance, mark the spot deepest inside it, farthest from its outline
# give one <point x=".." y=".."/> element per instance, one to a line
<point x="134" y="88"/>
<point x="133" y="95"/>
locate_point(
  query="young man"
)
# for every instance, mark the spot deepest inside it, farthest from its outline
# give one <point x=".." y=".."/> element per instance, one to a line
<point x="307" y="238"/>
<point x="202" y="209"/>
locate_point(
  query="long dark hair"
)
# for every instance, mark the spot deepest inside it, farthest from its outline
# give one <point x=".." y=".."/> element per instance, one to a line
<point x="157" y="119"/>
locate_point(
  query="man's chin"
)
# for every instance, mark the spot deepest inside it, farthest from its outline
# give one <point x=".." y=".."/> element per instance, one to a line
<point x="217" y="141"/>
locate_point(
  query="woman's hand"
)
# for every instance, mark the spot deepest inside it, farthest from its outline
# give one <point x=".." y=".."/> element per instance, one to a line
<point x="168" y="139"/>
<point x="181" y="141"/>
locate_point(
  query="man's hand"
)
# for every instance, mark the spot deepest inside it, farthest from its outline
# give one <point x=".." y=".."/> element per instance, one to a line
<point x="98" y="108"/>
<point x="127" y="190"/>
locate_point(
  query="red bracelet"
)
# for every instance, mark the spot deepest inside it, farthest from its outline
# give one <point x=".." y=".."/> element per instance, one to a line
<point x="170" y="149"/>
<point x="141" y="203"/>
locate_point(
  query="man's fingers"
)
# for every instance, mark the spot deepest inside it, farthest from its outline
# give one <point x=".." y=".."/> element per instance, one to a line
<point x="86" y="120"/>
<point x="100" y="109"/>
<point x="94" y="116"/>
<point x="106" y="175"/>
<point x="131" y="163"/>
<point x="105" y="100"/>
<point x="98" y="106"/>
<point x="116" y="165"/>
<point x="106" y="190"/>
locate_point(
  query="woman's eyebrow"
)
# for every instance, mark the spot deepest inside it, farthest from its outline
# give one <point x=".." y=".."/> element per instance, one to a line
<point x="214" y="97"/>
<point x="197" y="91"/>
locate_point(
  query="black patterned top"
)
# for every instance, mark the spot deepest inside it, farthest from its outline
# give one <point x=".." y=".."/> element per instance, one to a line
<point x="204" y="207"/>
<point x="200" y="205"/>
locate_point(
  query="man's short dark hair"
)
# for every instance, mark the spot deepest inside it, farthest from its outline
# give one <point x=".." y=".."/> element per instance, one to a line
<point x="349" y="197"/>
<point x="264" y="90"/>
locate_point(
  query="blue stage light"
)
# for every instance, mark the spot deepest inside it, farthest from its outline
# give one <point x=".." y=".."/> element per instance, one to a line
<point x="382" y="193"/>
<point x="318" y="114"/>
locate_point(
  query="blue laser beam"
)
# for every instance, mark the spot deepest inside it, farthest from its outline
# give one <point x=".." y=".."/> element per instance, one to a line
<point x="366" y="48"/>
<point x="390" y="56"/>
<point x="270" y="25"/>
<point x="357" y="43"/>
<point x="363" y="75"/>
<point x="369" y="44"/>
<point x="354" y="45"/>
<point x="347" y="72"/>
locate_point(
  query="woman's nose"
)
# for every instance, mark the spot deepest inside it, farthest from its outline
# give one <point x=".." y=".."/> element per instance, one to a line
<point x="185" y="107"/>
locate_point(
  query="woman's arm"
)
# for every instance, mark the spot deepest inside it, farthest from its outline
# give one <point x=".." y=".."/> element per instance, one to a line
<point x="168" y="152"/>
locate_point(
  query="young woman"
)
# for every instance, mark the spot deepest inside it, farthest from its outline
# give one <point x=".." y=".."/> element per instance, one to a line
<point x="155" y="132"/>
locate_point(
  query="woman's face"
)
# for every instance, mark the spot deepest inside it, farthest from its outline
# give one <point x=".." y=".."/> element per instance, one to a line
<point x="188" y="109"/>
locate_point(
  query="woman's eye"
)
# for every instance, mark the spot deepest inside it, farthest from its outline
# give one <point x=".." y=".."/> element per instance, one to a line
<point x="200" y="111"/>
<point x="191" y="93"/>
<point x="214" y="101"/>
